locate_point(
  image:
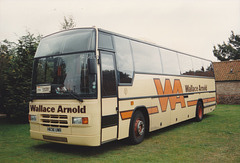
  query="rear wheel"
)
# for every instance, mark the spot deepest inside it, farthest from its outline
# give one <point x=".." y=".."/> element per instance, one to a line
<point x="199" y="111"/>
<point x="137" y="128"/>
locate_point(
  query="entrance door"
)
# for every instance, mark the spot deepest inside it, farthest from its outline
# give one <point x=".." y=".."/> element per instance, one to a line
<point x="109" y="97"/>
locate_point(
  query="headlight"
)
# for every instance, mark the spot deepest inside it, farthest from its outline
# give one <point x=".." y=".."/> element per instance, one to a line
<point x="32" y="118"/>
<point x="79" y="120"/>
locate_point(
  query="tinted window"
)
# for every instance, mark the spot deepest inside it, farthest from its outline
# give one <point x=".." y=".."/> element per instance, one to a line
<point x="170" y="62"/>
<point x="67" y="42"/>
<point x="185" y="62"/>
<point x="146" y="58"/>
<point x="108" y="75"/>
<point x="105" y="41"/>
<point x="124" y="59"/>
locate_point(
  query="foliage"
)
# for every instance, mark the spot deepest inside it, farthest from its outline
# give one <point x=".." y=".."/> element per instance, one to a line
<point x="215" y="139"/>
<point x="6" y="53"/>
<point x="16" y="75"/>
<point x="230" y="51"/>
<point x="68" y="23"/>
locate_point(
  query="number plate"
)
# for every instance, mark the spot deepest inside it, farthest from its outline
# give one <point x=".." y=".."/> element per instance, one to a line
<point x="51" y="129"/>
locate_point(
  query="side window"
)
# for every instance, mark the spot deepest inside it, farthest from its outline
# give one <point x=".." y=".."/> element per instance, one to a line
<point x="146" y="58"/>
<point x="105" y="41"/>
<point x="108" y="74"/>
<point x="186" y="66"/>
<point x="124" y="59"/>
<point x="198" y="67"/>
<point x="170" y="62"/>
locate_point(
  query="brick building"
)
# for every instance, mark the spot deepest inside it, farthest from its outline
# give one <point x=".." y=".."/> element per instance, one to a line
<point x="227" y="77"/>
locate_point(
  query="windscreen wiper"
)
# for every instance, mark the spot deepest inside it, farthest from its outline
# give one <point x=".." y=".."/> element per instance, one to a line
<point x="74" y="95"/>
<point x="63" y="90"/>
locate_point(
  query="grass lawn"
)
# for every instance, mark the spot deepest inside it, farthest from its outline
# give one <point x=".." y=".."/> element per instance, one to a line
<point x="215" y="139"/>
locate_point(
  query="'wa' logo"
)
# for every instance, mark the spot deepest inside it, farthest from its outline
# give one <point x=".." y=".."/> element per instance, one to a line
<point x="177" y="89"/>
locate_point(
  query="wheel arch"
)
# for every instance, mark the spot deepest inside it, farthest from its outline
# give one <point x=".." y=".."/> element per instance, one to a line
<point x="143" y="110"/>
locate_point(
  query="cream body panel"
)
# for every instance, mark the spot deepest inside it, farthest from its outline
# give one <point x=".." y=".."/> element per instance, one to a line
<point x="109" y="133"/>
<point x="161" y="119"/>
<point x="209" y="109"/>
<point x="144" y="86"/>
<point x="123" y="128"/>
<point x="109" y="106"/>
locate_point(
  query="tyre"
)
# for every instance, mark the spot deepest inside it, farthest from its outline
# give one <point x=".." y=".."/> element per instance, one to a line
<point x="137" y="128"/>
<point x="199" y="111"/>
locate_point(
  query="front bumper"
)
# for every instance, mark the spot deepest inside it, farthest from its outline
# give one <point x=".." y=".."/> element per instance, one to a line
<point x="93" y="140"/>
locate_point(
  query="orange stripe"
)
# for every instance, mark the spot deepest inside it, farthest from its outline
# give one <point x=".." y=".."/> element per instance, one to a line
<point x="206" y="100"/>
<point x="209" y="100"/>
<point x="126" y="114"/>
<point x="152" y="110"/>
<point x="192" y="103"/>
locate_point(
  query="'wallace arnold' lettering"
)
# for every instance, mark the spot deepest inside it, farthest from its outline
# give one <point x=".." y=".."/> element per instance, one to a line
<point x="60" y="109"/>
<point x="191" y="88"/>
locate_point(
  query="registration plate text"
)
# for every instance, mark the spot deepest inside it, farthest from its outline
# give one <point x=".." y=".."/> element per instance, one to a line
<point x="51" y="129"/>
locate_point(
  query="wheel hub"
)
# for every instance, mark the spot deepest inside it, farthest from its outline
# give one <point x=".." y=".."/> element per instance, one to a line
<point x="200" y="112"/>
<point x="139" y="127"/>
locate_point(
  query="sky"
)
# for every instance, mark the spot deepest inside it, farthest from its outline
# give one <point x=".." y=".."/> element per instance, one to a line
<point x="189" y="26"/>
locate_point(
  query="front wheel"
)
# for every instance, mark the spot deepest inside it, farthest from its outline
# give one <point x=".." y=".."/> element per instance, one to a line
<point x="137" y="128"/>
<point x="199" y="111"/>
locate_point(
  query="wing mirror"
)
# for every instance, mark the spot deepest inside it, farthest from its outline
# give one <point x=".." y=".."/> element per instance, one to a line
<point x="92" y="66"/>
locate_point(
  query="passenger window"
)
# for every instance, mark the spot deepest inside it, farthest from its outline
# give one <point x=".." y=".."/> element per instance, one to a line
<point x="108" y="74"/>
<point x="170" y="62"/>
<point x="198" y="67"/>
<point x="124" y="59"/>
<point x="105" y="41"/>
<point x="186" y="66"/>
<point x="146" y="58"/>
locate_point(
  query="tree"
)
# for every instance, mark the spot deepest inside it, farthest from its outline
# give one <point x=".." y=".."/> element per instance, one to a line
<point x="17" y="76"/>
<point x="230" y="51"/>
<point x="6" y="53"/>
<point x="68" y="23"/>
